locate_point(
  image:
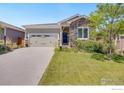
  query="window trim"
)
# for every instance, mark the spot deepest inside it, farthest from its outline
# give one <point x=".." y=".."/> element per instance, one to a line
<point x="82" y="34"/>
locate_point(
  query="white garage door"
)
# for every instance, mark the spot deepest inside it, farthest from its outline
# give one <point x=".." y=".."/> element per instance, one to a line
<point x="44" y="40"/>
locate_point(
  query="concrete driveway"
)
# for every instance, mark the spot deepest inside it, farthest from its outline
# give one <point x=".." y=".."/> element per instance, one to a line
<point x="24" y="66"/>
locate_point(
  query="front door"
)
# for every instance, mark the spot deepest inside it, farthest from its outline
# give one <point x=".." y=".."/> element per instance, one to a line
<point x="65" y="38"/>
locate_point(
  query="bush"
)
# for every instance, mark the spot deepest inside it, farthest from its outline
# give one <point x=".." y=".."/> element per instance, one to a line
<point x="90" y="46"/>
<point x="118" y="58"/>
<point x="4" y="49"/>
<point x="99" y="56"/>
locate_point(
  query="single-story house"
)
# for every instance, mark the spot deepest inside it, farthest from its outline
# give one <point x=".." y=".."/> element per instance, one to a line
<point x="64" y="32"/>
<point x="12" y="34"/>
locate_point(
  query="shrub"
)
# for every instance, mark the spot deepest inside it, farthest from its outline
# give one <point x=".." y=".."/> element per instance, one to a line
<point x="118" y="58"/>
<point x="99" y="56"/>
<point x="90" y="46"/>
<point x="4" y="49"/>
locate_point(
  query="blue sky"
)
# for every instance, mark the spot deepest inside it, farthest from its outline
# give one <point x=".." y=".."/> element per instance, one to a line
<point x="22" y="14"/>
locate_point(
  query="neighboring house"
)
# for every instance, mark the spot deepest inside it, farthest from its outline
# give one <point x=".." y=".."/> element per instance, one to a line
<point x="12" y="34"/>
<point x="119" y="43"/>
<point x="65" y="32"/>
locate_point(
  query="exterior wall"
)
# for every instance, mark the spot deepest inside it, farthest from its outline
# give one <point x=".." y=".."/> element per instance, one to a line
<point x="30" y="31"/>
<point x="13" y="35"/>
<point x="73" y="30"/>
<point x="42" y="30"/>
<point x="120" y="43"/>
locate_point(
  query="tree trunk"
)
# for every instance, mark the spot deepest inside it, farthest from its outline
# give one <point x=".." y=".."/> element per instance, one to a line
<point x="110" y="43"/>
<point x="110" y="38"/>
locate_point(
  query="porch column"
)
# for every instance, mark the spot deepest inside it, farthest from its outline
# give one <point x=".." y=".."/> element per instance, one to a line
<point x="61" y="36"/>
<point x="69" y="38"/>
<point x="4" y="31"/>
<point x="28" y="40"/>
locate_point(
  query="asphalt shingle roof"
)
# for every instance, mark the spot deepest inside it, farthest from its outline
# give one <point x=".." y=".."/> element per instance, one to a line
<point x="4" y="24"/>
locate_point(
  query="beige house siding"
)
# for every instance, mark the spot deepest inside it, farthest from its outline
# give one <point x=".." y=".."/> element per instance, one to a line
<point x="31" y="31"/>
<point x="43" y="30"/>
<point x="120" y="43"/>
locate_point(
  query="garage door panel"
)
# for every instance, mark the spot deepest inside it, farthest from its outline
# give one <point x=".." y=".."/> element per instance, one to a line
<point x="42" y="40"/>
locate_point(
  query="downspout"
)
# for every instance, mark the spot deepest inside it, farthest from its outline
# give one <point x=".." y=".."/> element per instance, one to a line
<point x="4" y="36"/>
<point x="28" y="40"/>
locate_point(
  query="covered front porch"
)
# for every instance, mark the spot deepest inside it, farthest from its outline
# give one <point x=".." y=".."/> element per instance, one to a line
<point x="64" y="36"/>
<point x="73" y="29"/>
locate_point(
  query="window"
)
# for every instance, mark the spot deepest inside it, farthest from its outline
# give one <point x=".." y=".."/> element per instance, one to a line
<point x="46" y="35"/>
<point x="80" y="33"/>
<point x="38" y="35"/>
<point x="83" y="33"/>
<point x="33" y="35"/>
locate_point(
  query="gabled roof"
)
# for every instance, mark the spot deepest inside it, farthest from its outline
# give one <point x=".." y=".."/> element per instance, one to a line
<point x="49" y="25"/>
<point x="72" y="18"/>
<point x="4" y="24"/>
<point x="56" y="25"/>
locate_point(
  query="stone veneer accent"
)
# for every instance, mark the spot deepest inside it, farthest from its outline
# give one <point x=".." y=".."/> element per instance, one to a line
<point x="73" y="30"/>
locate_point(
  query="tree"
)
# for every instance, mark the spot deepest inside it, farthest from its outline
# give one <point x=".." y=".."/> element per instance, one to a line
<point x="2" y="34"/>
<point x="1" y="31"/>
<point x="108" y="18"/>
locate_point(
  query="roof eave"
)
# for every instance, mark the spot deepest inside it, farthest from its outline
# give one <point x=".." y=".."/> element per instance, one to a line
<point x="4" y="24"/>
<point x="65" y="20"/>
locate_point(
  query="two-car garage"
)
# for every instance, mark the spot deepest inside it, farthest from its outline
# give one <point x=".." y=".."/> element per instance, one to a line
<point x="42" y="35"/>
<point x="43" y="40"/>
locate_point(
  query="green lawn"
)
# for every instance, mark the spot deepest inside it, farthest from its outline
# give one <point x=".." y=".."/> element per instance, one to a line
<point x="69" y="68"/>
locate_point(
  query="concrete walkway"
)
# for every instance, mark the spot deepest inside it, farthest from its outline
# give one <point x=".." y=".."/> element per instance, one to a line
<point x="24" y="66"/>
